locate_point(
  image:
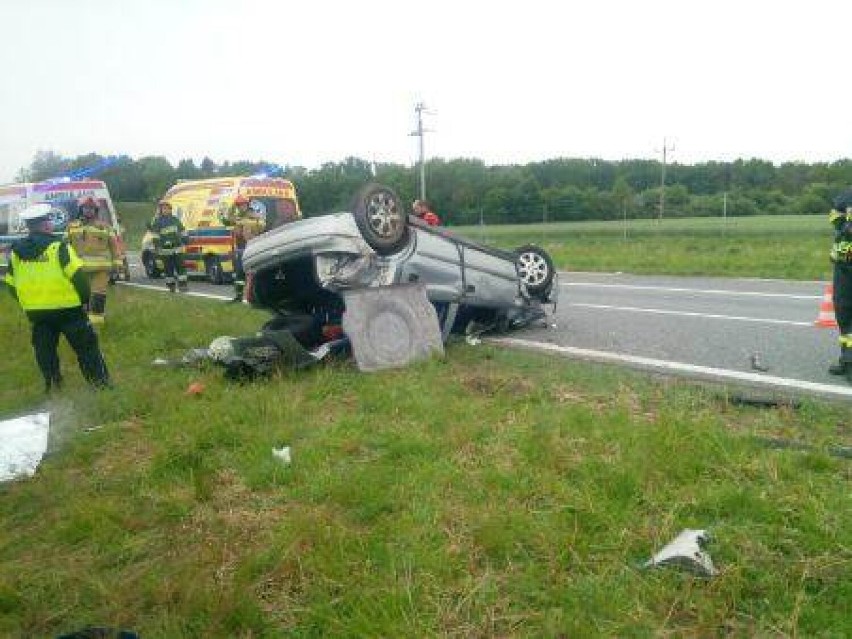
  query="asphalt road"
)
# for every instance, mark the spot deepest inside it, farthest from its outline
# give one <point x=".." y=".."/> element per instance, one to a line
<point x="759" y="333"/>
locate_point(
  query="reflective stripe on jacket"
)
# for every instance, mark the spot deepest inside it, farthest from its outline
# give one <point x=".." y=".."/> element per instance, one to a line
<point x="246" y="228"/>
<point x="42" y="283"/>
<point x="94" y="245"/>
<point x="169" y="234"/>
<point x="841" y="249"/>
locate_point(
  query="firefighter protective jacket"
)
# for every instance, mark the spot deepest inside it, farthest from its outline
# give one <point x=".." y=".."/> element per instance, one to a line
<point x="169" y="234"/>
<point x="244" y="227"/>
<point x="95" y="243"/>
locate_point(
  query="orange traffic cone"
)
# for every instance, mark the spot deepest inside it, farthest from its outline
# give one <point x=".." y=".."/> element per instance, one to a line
<point x="826" y="318"/>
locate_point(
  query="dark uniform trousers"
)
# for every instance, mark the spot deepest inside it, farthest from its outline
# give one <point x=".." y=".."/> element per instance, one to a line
<point x="843" y="304"/>
<point x="47" y="326"/>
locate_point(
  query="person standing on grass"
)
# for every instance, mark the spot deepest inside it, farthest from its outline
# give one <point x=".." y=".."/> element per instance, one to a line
<point x="45" y="276"/>
<point x="244" y="227"/>
<point x="169" y="241"/>
<point x="841" y="255"/>
<point x="96" y="245"/>
<point x="423" y="210"/>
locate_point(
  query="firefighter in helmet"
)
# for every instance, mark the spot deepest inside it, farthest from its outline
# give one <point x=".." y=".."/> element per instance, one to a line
<point x="46" y="277"/>
<point x="96" y="243"/>
<point x="170" y="239"/>
<point x="245" y="225"/>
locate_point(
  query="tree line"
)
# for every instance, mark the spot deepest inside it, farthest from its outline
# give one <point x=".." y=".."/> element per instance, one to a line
<point x="467" y="191"/>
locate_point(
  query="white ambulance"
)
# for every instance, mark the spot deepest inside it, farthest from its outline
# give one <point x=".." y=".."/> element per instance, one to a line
<point x="63" y="195"/>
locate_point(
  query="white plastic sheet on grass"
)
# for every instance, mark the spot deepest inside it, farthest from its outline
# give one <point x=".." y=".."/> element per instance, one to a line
<point x="23" y="442"/>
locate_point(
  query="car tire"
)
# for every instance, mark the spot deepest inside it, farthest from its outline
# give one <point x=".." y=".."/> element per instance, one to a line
<point x="213" y="269"/>
<point x="149" y="263"/>
<point x="381" y="218"/>
<point x="535" y="268"/>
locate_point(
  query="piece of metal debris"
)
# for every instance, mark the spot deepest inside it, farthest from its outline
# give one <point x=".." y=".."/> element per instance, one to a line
<point x="756" y="401"/>
<point x="779" y="443"/>
<point x="391" y="326"/>
<point x="283" y="454"/>
<point x="757" y="363"/>
<point x="686" y="551"/>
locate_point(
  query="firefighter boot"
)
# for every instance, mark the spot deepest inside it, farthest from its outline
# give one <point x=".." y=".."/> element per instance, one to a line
<point x="97" y="308"/>
<point x="171" y="286"/>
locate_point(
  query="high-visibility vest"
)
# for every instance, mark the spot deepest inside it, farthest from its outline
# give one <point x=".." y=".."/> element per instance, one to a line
<point x="43" y="284"/>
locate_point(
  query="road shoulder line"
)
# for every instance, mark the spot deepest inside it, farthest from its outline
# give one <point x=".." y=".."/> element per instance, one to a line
<point x="153" y="287"/>
<point x="702" y="372"/>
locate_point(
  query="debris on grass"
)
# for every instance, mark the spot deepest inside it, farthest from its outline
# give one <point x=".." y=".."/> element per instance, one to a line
<point x="23" y="443"/>
<point x="283" y="454"/>
<point x="844" y="452"/>
<point x="758" y="401"/>
<point x="195" y="389"/>
<point x="391" y="326"/>
<point x="686" y="551"/>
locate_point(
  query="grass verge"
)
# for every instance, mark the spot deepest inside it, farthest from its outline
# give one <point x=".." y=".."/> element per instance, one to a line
<point x="490" y="493"/>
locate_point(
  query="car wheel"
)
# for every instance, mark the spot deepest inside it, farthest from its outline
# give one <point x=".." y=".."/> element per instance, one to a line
<point x="213" y="269"/>
<point x="535" y="269"/>
<point x="149" y="263"/>
<point x="381" y="218"/>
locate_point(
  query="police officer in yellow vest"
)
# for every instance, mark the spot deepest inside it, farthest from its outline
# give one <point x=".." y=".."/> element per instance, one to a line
<point x="96" y="245"/>
<point x="245" y="225"/>
<point x="46" y="278"/>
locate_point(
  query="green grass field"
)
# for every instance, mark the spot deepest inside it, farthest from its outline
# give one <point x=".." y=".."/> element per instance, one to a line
<point x="134" y="217"/>
<point x="486" y="494"/>
<point x="776" y="247"/>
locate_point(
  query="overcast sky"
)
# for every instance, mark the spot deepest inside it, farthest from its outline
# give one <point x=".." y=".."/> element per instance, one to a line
<point x="310" y="81"/>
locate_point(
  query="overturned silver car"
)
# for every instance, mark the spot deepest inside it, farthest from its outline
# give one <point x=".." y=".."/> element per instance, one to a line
<point x="303" y="270"/>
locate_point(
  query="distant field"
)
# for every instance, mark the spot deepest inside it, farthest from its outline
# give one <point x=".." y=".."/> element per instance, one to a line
<point x="134" y="216"/>
<point x="778" y="247"/>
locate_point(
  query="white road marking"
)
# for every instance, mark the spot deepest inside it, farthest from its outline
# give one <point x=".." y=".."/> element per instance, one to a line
<point x="152" y="287"/>
<point x="698" y="291"/>
<point x="660" y="311"/>
<point x="679" y="367"/>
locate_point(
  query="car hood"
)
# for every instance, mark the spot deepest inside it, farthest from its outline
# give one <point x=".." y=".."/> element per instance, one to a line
<point x="334" y="233"/>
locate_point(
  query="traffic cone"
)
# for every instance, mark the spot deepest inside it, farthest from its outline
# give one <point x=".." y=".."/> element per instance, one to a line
<point x="826" y="318"/>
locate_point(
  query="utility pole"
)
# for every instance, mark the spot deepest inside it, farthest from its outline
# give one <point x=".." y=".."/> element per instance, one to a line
<point x="666" y="149"/>
<point x="420" y="132"/>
